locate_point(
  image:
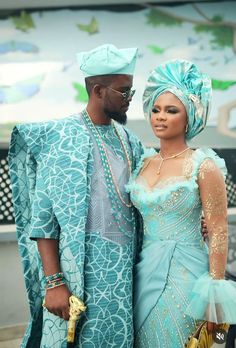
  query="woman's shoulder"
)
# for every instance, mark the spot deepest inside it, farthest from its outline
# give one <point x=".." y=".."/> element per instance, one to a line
<point x="147" y="155"/>
<point x="206" y="159"/>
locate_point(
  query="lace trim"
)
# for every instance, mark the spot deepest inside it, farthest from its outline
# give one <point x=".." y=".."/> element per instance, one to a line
<point x="187" y="173"/>
<point x="161" y="184"/>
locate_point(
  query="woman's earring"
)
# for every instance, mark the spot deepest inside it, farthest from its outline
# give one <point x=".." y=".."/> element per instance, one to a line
<point x="186" y="128"/>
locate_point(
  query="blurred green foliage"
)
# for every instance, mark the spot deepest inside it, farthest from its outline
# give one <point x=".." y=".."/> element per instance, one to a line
<point x="23" y="22"/>
<point x="82" y="95"/>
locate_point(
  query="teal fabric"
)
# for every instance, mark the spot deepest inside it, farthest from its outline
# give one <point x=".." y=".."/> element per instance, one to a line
<point x="51" y="164"/>
<point x="107" y="60"/>
<point x="173" y="257"/>
<point x="219" y="296"/>
<point x="108" y="294"/>
<point x="188" y="83"/>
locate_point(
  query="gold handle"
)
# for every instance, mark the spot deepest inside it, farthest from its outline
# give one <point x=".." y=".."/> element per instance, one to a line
<point x="76" y="308"/>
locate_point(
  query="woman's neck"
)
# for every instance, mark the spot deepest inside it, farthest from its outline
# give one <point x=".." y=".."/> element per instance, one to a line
<point x="171" y="147"/>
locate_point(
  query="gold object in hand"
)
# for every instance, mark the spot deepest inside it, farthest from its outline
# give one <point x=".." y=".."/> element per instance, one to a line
<point x="76" y="308"/>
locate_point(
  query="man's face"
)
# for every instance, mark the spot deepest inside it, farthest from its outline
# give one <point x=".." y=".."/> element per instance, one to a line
<point x="116" y="104"/>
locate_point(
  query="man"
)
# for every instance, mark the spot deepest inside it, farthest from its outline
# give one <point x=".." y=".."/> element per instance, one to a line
<point x="68" y="181"/>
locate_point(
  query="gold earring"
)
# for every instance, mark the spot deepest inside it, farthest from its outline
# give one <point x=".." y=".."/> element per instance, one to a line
<point x="186" y="128"/>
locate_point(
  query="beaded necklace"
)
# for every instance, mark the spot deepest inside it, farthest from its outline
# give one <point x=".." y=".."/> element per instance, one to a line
<point x="111" y="187"/>
<point x="168" y="158"/>
<point x="109" y="175"/>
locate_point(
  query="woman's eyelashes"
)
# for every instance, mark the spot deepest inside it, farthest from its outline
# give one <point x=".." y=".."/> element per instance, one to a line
<point x="169" y="110"/>
<point x="173" y="111"/>
<point x="154" y="110"/>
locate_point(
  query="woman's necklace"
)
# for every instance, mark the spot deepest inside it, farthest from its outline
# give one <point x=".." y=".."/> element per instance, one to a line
<point x="110" y="177"/>
<point x="170" y="157"/>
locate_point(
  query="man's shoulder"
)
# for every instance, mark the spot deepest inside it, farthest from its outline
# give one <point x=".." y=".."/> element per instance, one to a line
<point x="52" y="123"/>
<point x="51" y="126"/>
<point x="41" y="137"/>
<point x="55" y="131"/>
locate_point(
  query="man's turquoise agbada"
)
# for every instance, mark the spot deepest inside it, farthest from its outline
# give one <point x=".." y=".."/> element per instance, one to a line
<point x="76" y="227"/>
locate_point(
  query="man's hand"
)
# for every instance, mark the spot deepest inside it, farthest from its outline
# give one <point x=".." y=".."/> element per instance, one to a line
<point x="57" y="301"/>
<point x="211" y="327"/>
<point x="204" y="229"/>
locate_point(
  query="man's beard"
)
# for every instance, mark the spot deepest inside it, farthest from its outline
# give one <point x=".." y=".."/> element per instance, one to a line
<point x="119" y="117"/>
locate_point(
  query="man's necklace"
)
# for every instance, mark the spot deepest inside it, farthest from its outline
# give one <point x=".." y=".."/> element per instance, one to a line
<point x="167" y="158"/>
<point x="109" y="175"/>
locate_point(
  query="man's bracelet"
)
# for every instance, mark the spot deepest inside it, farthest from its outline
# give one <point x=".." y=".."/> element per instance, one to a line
<point x="55" y="284"/>
<point x="54" y="280"/>
<point x="55" y="276"/>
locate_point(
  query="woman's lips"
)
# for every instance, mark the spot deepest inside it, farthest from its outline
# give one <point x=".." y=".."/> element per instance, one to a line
<point x="160" y="127"/>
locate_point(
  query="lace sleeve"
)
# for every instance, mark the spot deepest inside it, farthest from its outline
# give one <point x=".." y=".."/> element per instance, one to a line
<point x="213" y="297"/>
<point x="214" y="203"/>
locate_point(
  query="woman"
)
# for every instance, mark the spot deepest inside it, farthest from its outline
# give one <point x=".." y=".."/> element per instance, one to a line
<point x="179" y="281"/>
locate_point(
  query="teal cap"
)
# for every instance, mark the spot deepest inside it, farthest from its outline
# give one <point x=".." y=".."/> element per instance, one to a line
<point x="107" y="60"/>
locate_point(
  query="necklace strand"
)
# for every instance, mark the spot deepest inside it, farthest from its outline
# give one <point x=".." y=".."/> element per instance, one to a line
<point x="107" y="165"/>
<point x="170" y="157"/>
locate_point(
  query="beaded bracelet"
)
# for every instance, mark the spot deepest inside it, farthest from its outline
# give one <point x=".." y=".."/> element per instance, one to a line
<point x="50" y="278"/>
<point x="55" y="284"/>
<point x="54" y="280"/>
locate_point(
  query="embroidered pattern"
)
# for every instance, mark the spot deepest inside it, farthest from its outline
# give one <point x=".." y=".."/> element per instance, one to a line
<point x="174" y="249"/>
<point x="54" y="204"/>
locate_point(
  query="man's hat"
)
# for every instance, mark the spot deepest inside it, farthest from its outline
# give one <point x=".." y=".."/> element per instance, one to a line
<point x="107" y="60"/>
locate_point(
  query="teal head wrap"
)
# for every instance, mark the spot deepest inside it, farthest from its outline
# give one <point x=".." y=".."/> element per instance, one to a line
<point x="186" y="82"/>
<point x="107" y="60"/>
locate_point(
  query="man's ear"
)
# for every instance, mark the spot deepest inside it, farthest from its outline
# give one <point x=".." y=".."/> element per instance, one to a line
<point x="98" y="91"/>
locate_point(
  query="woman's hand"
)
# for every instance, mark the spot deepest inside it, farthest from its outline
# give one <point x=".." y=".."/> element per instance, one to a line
<point x="204" y="228"/>
<point x="57" y="301"/>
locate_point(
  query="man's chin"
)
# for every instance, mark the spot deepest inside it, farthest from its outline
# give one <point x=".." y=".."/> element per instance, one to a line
<point x="118" y="117"/>
<point x="121" y="118"/>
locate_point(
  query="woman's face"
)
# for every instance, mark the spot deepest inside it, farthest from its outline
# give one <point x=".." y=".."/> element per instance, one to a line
<point x="169" y="117"/>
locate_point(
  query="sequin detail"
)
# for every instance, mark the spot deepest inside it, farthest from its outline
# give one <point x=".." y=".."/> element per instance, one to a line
<point x="173" y="248"/>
